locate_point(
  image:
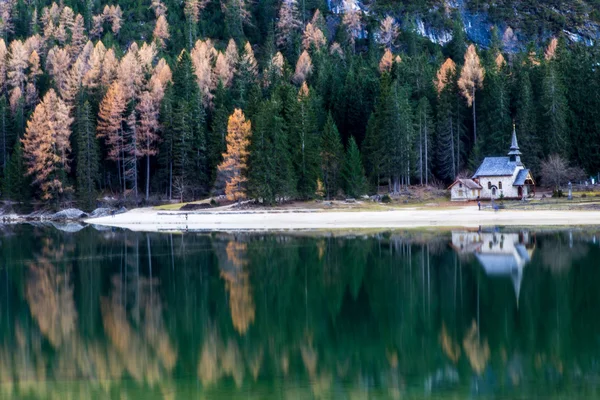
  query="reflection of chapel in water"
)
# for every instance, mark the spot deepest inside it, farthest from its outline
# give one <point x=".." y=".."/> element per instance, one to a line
<point x="500" y="254"/>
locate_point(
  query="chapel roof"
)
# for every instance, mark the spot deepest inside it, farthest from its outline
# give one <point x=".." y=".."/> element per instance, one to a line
<point x="521" y="177"/>
<point x="496" y="166"/>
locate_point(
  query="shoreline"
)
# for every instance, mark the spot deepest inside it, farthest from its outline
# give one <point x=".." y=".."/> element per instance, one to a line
<point x="152" y="220"/>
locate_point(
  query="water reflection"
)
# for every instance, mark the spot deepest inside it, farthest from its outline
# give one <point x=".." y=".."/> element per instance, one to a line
<point x="116" y="314"/>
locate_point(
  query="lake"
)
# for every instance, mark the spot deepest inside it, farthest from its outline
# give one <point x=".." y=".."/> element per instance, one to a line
<point x="114" y="314"/>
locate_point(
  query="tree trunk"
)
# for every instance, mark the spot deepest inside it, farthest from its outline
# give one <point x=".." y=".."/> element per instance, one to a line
<point x="147" y="177"/>
<point x="474" y="119"/>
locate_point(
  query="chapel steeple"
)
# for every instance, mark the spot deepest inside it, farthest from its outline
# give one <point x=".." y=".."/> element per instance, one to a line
<point x="514" y="153"/>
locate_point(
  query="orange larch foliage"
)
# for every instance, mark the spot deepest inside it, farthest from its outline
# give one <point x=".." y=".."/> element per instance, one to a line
<point x="550" y="53"/>
<point x="92" y="77"/>
<point x="500" y="61"/>
<point x="46" y="145"/>
<point x="130" y="74"/>
<point x="110" y="65"/>
<point x="3" y="57"/>
<point x="387" y="61"/>
<point x="235" y="159"/>
<point x="471" y="76"/>
<point x="352" y="19"/>
<point x="388" y="31"/>
<point x="202" y="58"/>
<point x="110" y="120"/>
<point x="161" y="31"/>
<point x="446" y="71"/>
<point x="304" y="68"/>
<point x="17" y="64"/>
<point x="313" y="36"/>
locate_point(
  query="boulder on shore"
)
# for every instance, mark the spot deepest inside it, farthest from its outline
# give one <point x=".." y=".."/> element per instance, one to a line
<point x="69" y="213"/>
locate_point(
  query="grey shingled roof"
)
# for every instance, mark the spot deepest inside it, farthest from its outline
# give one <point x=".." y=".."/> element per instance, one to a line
<point x="521" y="176"/>
<point x="496" y="166"/>
<point x="469" y="183"/>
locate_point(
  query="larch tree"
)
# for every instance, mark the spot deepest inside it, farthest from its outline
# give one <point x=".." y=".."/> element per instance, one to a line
<point x="313" y="38"/>
<point x="110" y="126"/>
<point x="202" y="59"/>
<point x="471" y="79"/>
<point x="17" y="65"/>
<point x="147" y="132"/>
<point x="130" y="73"/>
<point x="234" y="165"/>
<point x="387" y="62"/>
<point x="388" y="32"/>
<point x="352" y="20"/>
<point x="304" y="68"/>
<point x="46" y="146"/>
<point x="288" y="25"/>
<point x="3" y="63"/>
<point x="448" y="137"/>
<point x="161" y="31"/>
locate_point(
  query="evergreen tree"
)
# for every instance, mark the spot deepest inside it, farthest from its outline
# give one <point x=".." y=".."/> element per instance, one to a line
<point x="16" y="185"/>
<point x="425" y="130"/>
<point x="270" y="173"/>
<point x="5" y="134"/>
<point x="555" y="110"/>
<point x="526" y="123"/>
<point x="331" y="157"/>
<point x="353" y="172"/>
<point x="88" y="157"/>
<point x="305" y="143"/>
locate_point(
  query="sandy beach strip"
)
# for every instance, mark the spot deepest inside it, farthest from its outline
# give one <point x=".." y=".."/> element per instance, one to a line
<point x="151" y="220"/>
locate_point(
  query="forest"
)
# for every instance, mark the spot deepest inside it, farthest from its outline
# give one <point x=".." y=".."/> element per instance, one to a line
<point x="272" y="100"/>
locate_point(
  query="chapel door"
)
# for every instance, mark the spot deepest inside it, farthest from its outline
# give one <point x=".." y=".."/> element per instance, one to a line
<point x="520" y="192"/>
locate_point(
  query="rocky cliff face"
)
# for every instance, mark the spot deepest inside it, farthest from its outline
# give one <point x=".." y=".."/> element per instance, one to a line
<point x="519" y="22"/>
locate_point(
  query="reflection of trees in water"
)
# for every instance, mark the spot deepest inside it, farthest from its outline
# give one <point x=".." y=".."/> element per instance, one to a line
<point x="237" y="283"/>
<point x="50" y="295"/>
<point x="329" y="316"/>
<point x="145" y="350"/>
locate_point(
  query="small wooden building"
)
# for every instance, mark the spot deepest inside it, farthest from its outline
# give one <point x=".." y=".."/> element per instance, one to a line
<point x="465" y="190"/>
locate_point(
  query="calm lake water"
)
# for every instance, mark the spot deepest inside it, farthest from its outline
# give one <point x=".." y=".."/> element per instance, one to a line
<point x="402" y="315"/>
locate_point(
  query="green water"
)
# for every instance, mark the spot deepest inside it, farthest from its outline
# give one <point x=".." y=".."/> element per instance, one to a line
<point x="403" y="315"/>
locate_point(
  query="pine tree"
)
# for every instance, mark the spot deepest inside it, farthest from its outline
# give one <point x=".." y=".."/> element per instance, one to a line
<point x="5" y="133"/>
<point x="332" y="153"/>
<point x="270" y="172"/>
<point x="88" y="157"/>
<point x="305" y="143"/>
<point x="16" y="185"/>
<point x="555" y="109"/>
<point x="526" y="122"/>
<point x="425" y="130"/>
<point x="353" y="173"/>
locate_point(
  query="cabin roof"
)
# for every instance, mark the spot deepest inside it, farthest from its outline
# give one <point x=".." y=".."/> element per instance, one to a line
<point x="521" y="177"/>
<point x="496" y="166"/>
<point x="468" y="183"/>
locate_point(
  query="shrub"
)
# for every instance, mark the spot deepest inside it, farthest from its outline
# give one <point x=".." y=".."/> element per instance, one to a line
<point x="386" y="199"/>
<point x="557" y="193"/>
